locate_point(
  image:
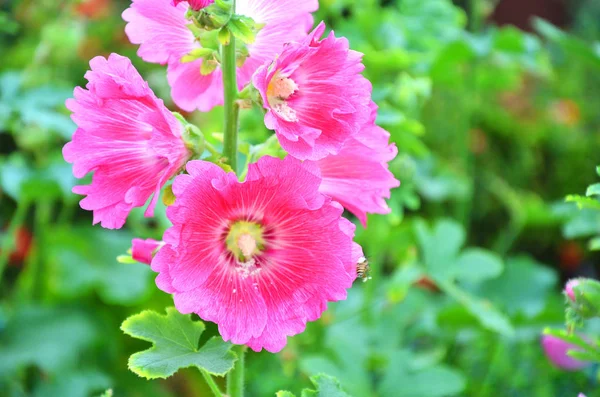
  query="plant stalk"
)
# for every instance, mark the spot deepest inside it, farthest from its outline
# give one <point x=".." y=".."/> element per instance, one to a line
<point x="235" y="378"/>
<point x="231" y="108"/>
<point x="212" y="384"/>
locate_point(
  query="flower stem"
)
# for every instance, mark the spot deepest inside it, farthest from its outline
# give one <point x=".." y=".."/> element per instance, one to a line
<point x="17" y="220"/>
<point x="211" y="383"/>
<point x="235" y="377"/>
<point x="228" y="65"/>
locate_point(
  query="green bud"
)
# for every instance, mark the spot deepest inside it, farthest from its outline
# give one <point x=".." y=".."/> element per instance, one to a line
<point x="168" y="197"/>
<point x="192" y="136"/>
<point x="586" y="304"/>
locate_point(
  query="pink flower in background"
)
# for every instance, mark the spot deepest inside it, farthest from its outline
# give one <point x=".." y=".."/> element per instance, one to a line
<point x="126" y="137"/>
<point x="163" y="35"/>
<point x="315" y="95"/>
<point x="143" y="250"/>
<point x="358" y="176"/>
<point x="195" y="4"/>
<point x="556" y="350"/>
<point x="259" y="258"/>
<point x="569" y="288"/>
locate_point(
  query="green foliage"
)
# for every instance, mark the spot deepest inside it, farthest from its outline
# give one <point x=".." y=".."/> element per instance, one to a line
<point x="56" y="342"/>
<point x="326" y="386"/>
<point x="445" y="263"/>
<point x="175" y="345"/>
<point x="493" y="125"/>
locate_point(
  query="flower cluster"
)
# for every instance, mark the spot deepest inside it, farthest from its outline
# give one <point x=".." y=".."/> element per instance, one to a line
<point x="260" y="257"/>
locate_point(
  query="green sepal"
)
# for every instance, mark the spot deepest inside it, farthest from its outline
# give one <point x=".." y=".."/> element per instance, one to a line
<point x="224" y="36"/>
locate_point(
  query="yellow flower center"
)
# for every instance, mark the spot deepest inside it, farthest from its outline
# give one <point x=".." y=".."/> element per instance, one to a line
<point x="278" y="91"/>
<point x="245" y="240"/>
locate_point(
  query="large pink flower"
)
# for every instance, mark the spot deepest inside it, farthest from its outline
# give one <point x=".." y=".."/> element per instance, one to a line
<point x="195" y="4"/>
<point x="315" y="95"/>
<point x="163" y="34"/>
<point x="126" y="137"/>
<point x="259" y="258"/>
<point x="358" y="176"/>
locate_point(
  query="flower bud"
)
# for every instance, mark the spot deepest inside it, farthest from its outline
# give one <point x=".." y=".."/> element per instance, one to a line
<point x="195" y="5"/>
<point x="557" y="350"/>
<point x="584" y="297"/>
<point x="143" y="250"/>
<point x="571" y="284"/>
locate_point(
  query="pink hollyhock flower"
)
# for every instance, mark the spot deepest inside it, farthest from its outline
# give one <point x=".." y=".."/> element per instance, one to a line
<point x="143" y="250"/>
<point x="571" y="284"/>
<point x="315" y="95"/>
<point x="195" y="4"/>
<point x="358" y="176"/>
<point x="556" y="350"/>
<point x="126" y="137"/>
<point x="259" y="258"/>
<point x="164" y="38"/>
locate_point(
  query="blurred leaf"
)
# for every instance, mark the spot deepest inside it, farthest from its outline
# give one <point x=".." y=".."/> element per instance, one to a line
<point x="77" y="384"/>
<point x="435" y="381"/>
<point x="593" y="190"/>
<point x="440" y="246"/>
<point x="524" y="287"/>
<point x="476" y="265"/>
<point x="175" y="339"/>
<point x="584" y="223"/>
<point x="51" y="339"/>
<point x="490" y="317"/>
<point x="20" y="180"/>
<point x="84" y="260"/>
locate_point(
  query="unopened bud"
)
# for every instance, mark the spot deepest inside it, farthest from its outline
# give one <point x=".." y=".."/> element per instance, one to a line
<point x="557" y="350"/>
<point x="569" y="289"/>
<point x="195" y="5"/>
<point x="144" y="250"/>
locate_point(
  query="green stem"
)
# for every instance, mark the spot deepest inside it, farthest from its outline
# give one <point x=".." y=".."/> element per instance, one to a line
<point x="228" y="64"/>
<point x="235" y="378"/>
<point x="211" y="383"/>
<point x="17" y="220"/>
<point x="475" y="15"/>
<point x="212" y="150"/>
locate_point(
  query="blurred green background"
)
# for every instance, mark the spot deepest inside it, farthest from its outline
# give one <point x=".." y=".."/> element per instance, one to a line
<point x="495" y="113"/>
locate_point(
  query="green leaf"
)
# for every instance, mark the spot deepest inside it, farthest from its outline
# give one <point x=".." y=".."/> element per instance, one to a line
<point x="48" y="338"/>
<point x="594" y="244"/>
<point x="483" y="310"/>
<point x="584" y="223"/>
<point x="76" y="384"/>
<point x="241" y="28"/>
<point x="83" y="261"/>
<point x="524" y="287"/>
<point x="475" y="265"/>
<point x="583" y="202"/>
<point x="593" y="190"/>
<point x="175" y="338"/>
<point x="326" y="386"/>
<point x="440" y="246"/>
<point x="434" y="381"/>
<point x="284" y="393"/>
